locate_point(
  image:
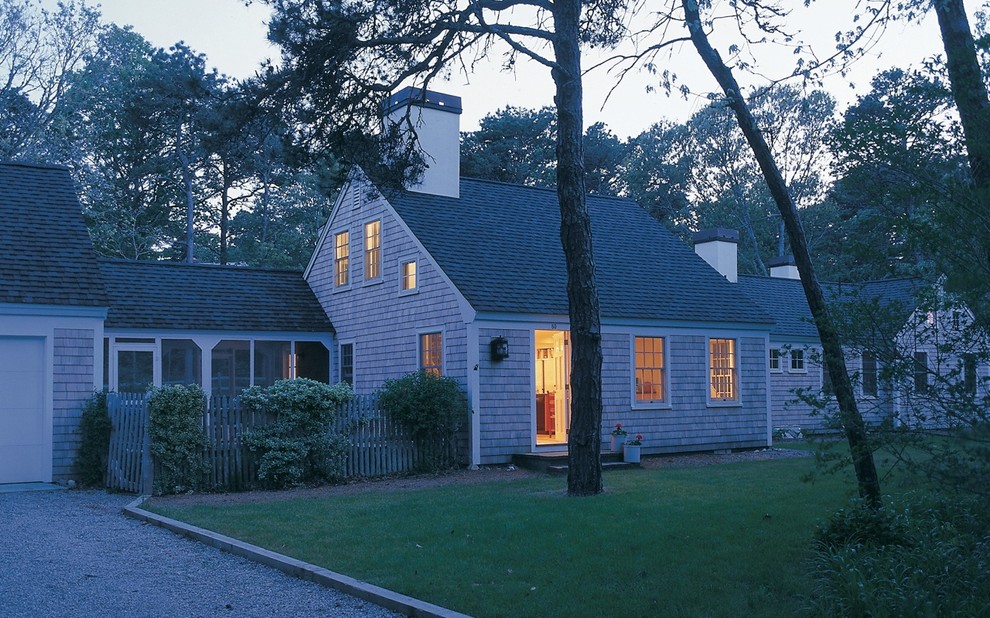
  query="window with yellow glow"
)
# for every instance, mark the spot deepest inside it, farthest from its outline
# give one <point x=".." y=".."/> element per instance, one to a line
<point x="341" y="258"/>
<point x="722" y="369"/>
<point x="372" y="250"/>
<point x="431" y="353"/>
<point x="650" y="379"/>
<point x="409" y="276"/>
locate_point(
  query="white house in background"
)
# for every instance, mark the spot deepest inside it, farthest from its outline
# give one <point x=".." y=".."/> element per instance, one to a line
<point x="466" y="278"/>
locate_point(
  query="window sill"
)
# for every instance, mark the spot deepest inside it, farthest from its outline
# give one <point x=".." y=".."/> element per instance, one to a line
<point x="725" y="404"/>
<point x="411" y="292"/>
<point x="798" y="371"/>
<point x="370" y="282"/>
<point x="342" y="288"/>
<point x="651" y="406"/>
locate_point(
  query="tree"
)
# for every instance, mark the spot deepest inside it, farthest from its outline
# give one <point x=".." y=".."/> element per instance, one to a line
<point x="852" y="420"/>
<point x="341" y="59"/>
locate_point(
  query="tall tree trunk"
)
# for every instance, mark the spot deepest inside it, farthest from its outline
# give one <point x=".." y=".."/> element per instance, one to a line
<point x="185" y="164"/>
<point x="584" y="468"/>
<point x="852" y="420"/>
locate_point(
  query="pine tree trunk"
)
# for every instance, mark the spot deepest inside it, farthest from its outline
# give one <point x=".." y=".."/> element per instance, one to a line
<point x="584" y="470"/>
<point x="852" y="420"/>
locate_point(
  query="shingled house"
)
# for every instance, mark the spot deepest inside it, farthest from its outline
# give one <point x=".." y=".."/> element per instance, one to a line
<point x="466" y="278"/>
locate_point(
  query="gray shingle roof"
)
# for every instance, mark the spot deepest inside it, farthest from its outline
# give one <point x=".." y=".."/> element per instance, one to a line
<point x="170" y="295"/>
<point x="500" y="245"/>
<point x="46" y="256"/>
<point x="785" y="301"/>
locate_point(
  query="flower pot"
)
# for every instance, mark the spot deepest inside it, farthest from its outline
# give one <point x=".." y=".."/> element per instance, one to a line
<point x="617" y="442"/>
<point x="630" y="453"/>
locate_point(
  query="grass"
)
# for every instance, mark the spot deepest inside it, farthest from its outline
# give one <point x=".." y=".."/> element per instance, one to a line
<point x="724" y="540"/>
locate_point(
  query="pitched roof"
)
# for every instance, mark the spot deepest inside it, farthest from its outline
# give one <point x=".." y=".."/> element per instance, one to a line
<point x="46" y="256"/>
<point x="172" y="295"/>
<point x="785" y="301"/>
<point x="500" y="245"/>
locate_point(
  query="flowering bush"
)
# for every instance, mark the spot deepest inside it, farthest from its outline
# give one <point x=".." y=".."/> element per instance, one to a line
<point x="618" y="431"/>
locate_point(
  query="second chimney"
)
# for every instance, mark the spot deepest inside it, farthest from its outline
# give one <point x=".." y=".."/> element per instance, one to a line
<point x="718" y="247"/>
<point x="435" y="117"/>
<point x="784" y="267"/>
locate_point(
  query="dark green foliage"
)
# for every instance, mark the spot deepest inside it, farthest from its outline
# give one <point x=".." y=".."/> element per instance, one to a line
<point x="94" y="427"/>
<point x="926" y="557"/>
<point x="433" y="409"/>
<point x="299" y="444"/>
<point x="177" y="438"/>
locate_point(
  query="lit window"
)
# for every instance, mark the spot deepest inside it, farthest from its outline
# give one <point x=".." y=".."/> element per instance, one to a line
<point x="372" y="250"/>
<point x="341" y="258"/>
<point x="797" y="360"/>
<point x="921" y="372"/>
<point x="408" y="275"/>
<point x="774" y="359"/>
<point x="431" y="353"/>
<point x="869" y="378"/>
<point x="650" y="383"/>
<point x="347" y="363"/>
<point x="722" y="368"/>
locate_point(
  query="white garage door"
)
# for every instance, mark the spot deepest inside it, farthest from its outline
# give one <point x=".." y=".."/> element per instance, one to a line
<point x="24" y="443"/>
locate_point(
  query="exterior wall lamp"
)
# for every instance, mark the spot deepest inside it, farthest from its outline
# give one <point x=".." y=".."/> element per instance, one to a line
<point x="499" y="347"/>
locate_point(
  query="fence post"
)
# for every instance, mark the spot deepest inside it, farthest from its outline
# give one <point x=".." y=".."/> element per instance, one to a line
<point x="147" y="469"/>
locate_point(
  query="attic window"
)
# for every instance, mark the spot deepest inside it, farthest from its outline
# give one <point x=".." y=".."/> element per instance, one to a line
<point x="372" y="250"/>
<point x="409" y="276"/>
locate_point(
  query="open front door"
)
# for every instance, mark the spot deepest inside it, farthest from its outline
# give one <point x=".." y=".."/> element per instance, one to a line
<point x="552" y="373"/>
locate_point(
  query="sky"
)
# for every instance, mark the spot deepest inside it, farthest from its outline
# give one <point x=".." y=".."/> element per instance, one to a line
<point x="233" y="37"/>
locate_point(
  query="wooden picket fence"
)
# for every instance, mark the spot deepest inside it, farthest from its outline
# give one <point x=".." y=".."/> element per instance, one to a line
<point x="377" y="447"/>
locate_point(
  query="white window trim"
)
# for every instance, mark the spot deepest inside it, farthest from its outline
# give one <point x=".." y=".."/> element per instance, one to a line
<point x="381" y="252"/>
<point x="402" y="262"/>
<point x="350" y="260"/>
<point x="780" y="356"/>
<point x="443" y="347"/>
<point x="652" y="405"/>
<point x="722" y="403"/>
<point x="804" y="362"/>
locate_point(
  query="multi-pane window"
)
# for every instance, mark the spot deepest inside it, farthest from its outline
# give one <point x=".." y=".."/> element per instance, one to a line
<point x="969" y="373"/>
<point x="431" y="353"/>
<point x="408" y="274"/>
<point x="341" y="258"/>
<point x="774" y="359"/>
<point x="722" y="369"/>
<point x="347" y="363"/>
<point x="650" y="382"/>
<point x="797" y="360"/>
<point x="372" y="250"/>
<point x="921" y="372"/>
<point x="869" y="371"/>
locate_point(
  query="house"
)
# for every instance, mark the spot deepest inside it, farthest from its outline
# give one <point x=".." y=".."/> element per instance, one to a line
<point x="72" y="323"/>
<point x="466" y="278"/>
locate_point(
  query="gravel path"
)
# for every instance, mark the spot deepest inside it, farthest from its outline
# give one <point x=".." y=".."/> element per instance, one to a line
<point x="72" y="553"/>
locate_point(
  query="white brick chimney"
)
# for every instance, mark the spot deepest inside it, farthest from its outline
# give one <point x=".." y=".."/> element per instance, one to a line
<point x="719" y="247"/>
<point x="784" y="267"/>
<point x="435" y="117"/>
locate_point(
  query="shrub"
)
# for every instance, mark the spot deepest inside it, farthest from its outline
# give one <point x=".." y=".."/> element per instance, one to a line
<point x="94" y="427"/>
<point x="299" y="444"/>
<point x="936" y="565"/>
<point x="177" y="439"/>
<point x="432" y="408"/>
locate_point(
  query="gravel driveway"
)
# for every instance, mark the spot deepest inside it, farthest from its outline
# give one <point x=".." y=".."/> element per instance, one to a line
<point x="71" y="553"/>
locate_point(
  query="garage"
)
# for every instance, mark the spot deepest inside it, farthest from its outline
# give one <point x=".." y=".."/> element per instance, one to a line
<point x="25" y="443"/>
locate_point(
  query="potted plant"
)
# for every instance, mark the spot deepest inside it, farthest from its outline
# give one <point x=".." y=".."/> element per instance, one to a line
<point x="618" y="437"/>
<point x="630" y="450"/>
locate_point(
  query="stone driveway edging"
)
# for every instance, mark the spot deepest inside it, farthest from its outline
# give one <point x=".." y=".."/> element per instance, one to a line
<point x="296" y="568"/>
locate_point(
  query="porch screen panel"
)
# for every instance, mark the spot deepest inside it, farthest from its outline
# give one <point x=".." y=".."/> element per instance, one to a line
<point x="312" y="361"/>
<point x="271" y="362"/>
<point x="722" y="363"/>
<point x="231" y="367"/>
<point x="182" y="362"/>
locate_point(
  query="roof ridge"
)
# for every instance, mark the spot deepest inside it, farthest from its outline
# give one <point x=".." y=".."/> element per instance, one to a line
<point x="503" y="183"/>
<point x="203" y="265"/>
<point x="33" y="164"/>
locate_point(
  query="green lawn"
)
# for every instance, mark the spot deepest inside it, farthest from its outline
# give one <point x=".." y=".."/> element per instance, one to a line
<point x="723" y="540"/>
